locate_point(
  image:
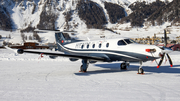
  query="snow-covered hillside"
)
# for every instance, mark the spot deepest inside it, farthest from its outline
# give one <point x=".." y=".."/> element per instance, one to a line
<point x="26" y="13"/>
<point x="30" y="13"/>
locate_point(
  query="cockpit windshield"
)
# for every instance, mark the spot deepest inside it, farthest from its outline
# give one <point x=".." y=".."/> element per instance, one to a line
<point x="121" y="42"/>
<point x="129" y="41"/>
<point x="125" y="42"/>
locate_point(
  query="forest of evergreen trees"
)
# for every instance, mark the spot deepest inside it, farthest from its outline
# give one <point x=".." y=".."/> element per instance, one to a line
<point x="47" y="21"/>
<point x="169" y="12"/>
<point x="5" y="19"/>
<point x="47" y="17"/>
<point x="92" y="13"/>
<point x="141" y="11"/>
<point x="114" y="11"/>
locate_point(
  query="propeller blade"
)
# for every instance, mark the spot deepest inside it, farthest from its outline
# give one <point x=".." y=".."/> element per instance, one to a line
<point x="160" y="62"/>
<point x="170" y="61"/>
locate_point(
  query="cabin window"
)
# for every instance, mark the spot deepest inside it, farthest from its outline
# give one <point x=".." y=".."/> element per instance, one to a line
<point x="107" y="45"/>
<point x="100" y="45"/>
<point x="88" y="46"/>
<point x="121" y="42"/>
<point x="82" y="46"/>
<point x="93" y="46"/>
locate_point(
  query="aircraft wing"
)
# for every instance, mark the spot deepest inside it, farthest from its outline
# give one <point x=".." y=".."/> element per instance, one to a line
<point x="21" y="51"/>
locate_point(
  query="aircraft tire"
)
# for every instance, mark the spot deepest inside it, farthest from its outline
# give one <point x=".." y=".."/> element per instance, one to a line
<point x="82" y="70"/>
<point x="123" y="66"/>
<point x="140" y="71"/>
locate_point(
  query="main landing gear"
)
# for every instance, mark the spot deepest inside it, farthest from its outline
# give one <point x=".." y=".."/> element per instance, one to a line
<point x="124" y="65"/>
<point x="84" y="66"/>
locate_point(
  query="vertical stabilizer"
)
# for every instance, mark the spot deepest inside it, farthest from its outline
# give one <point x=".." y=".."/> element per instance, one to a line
<point x="62" y="39"/>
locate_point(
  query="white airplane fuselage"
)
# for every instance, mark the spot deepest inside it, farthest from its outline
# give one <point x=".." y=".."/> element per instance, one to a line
<point x="113" y="50"/>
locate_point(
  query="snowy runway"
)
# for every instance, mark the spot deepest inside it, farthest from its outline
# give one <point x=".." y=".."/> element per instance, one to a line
<point x="26" y="77"/>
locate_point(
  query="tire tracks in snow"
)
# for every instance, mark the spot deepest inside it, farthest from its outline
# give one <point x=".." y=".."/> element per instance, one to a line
<point x="162" y="93"/>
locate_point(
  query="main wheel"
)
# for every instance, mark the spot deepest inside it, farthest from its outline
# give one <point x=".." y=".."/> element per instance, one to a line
<point x="140" y="71"/>
<point x="82" y="70"/>
<point x="123" y="66"/>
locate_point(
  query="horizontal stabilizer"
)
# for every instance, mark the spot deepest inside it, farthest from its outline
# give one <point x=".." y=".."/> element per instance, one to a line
<point x="55" y="31"/>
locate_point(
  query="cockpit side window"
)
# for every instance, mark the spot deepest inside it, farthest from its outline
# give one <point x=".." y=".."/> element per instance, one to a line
<point x="121" y="42"/>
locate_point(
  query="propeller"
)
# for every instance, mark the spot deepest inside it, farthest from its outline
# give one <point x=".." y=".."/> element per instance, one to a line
<point x="160" y="62"/>
<point x="162" y="58"/>
<point x="165" y="51"/>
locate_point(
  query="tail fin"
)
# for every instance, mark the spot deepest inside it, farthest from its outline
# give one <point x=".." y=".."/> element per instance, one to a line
<point x="62" y="39"/>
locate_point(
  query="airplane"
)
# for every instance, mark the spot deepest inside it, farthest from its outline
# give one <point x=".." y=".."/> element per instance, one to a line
<point x="109" y="50"/>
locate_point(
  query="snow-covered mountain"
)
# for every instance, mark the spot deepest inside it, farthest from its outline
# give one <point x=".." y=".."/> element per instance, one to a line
<point x="47" y="14"/>
<point x="86" y="16"/>
<point x="55" y="14"/>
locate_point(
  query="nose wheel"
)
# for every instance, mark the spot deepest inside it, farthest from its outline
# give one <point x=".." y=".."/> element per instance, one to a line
<point x="140" y="70"/>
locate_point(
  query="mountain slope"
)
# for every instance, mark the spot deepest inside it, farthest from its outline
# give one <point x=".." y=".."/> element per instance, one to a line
<point x="169" y="12"/>
<point x="80" y="14"/>
<point x="46" y="14"/>
<point x="141" y="11"/>
<point x="5" y="19"/>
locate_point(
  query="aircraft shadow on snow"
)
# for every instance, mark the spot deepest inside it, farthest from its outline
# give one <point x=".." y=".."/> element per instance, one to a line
<point x="115" y="67"/>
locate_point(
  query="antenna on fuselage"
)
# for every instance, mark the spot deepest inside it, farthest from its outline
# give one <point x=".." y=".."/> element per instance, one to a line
<point x="88" y="39"/>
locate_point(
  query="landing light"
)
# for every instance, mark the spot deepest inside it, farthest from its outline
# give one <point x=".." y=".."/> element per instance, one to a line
<point x="150" y="50"/>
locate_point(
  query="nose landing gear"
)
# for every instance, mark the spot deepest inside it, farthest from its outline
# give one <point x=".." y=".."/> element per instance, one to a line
<point x="140" y="70"/>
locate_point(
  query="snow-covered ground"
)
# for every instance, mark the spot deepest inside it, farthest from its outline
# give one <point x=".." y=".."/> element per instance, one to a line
<point x="28" y="78"/>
